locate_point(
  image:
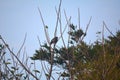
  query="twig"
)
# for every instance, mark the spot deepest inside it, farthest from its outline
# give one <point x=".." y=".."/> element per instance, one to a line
<point x="86" y="29"/>
<point x="69" y="62"/>
<point x="104" y="55"/>
<point x="43" y="66"/>
<point x="23" y="56"/>
<point x="110" y="31"/>
<point x="52" y="50"/>
<point x="79" y="18"/>
<point x="61" y="29"/>
<point x="64" y="29"/>
<point x="68" y="23"/>
<point x="46" y="33"/>
<point x="18" y="60"/>
<point x="22" y="44"/>
<point x="41" y="61"/>
<point x="57" y="18"/>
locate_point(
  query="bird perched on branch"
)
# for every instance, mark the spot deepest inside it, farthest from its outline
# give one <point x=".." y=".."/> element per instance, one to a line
<point x="54" y="40"/>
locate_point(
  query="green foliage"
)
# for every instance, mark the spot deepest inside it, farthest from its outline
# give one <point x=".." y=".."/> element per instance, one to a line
<point x="86" y="62"/>
<point x="104" y="63"/>
<point x="75" y="33"/>
<point x="81" y="61"/>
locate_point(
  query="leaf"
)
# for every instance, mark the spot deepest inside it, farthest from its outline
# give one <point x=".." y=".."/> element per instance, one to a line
<point x="19" y="75"/>
<point x="72" y="26"/>
<point x="71" y="42"/>
<point x="73" y="39"/>
<point x="14" y="68"/>
<point x="36" y="71"/>
<point x="46" y="27"/>
<point x="79" y="33"/>
<point x="98" y="32"/>
<point x="47" y="75"/>
<point x="25" y="77"/>
<point x="0" y="37"/>
<point x="12" y="71"/>
<point x="7" y="63"/>
<point x="64" y="74"/>
<point x="8" y="59"/>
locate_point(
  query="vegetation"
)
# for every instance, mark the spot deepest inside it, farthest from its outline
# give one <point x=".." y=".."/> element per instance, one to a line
<point x="79" y="60"/>
<point x="100" y="61"/>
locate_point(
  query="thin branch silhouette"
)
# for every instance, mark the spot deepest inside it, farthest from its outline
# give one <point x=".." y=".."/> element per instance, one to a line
<point x="79" y="18"/>
<point x="58" y="13"/>
<point x="7" y="46"/>
<point x="45" y="29"/>
<point x="110" y="31"/>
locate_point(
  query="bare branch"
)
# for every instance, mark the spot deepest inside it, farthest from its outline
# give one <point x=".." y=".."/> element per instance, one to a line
<point x="86" y="29"/>
<point x="119" y="22"/>
<point x="46" y="33"/>
<point x="68" y="23"/>
<point x="104" y="54"/>
<point x="18" y="59"/>
<point x="108" y="28"/>
<point x="43" y="66"/>
<point x="79" y="18"/>
<point x="22" y="44"/>
<point x="110" y="31"/>
<point x="57" y="18"/>
<point x="88" y="25"/>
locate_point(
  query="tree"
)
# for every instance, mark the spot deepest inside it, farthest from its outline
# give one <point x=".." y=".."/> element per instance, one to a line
<point x="85" y="61"/>
<point x="79" y="60"/>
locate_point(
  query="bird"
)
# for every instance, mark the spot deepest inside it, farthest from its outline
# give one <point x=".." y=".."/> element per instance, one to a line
<point x="54" y="40"/>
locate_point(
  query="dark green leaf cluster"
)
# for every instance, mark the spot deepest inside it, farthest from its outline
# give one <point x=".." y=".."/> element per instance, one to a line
<point x="83" y="56"/>
<point x="42" y="54"/>
<point x="75" y="33"/>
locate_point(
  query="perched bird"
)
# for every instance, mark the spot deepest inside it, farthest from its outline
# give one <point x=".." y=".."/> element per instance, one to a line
<point x="54" y="40"/>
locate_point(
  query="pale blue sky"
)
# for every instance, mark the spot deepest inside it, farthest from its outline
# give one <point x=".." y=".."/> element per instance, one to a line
<point x="18" y="17"/>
